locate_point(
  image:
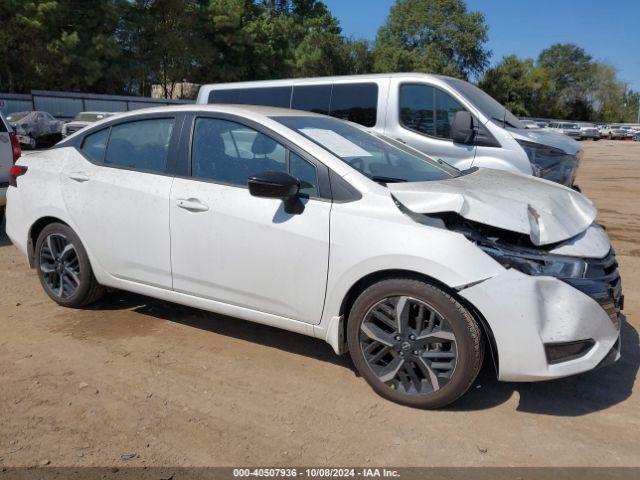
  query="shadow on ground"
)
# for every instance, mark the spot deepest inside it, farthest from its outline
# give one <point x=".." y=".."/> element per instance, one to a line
<point x="572" y="396"/>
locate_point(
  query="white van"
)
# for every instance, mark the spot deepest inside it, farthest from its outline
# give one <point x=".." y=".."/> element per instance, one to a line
<point x="444" y="117"/>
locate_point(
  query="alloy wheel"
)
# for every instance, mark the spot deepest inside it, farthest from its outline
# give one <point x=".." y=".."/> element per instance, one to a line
<point x="408" y="345"/>
<point x="60" y="266"/>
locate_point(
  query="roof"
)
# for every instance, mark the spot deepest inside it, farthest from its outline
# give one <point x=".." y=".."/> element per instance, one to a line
<point x="336" y="78"/>
<point x="239" y="109"/>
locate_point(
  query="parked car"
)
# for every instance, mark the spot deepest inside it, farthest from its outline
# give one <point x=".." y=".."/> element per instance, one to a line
<point x="589" y="131"/>
<point x="529" y="124"/>
<point x="613" y="132"/>
<point x="318" y="226"/>
<point x="419" y="110"/>
<point x="630" y="131"/>
<point x="566" y="128"/>
<point x="83" y="119"/>
<point x="35" y="128"/>
<point x="9" y="153"/>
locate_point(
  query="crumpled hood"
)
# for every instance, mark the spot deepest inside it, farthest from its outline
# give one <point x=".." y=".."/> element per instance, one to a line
<point x="545" y="211"/>
<point x="546" y="137"/>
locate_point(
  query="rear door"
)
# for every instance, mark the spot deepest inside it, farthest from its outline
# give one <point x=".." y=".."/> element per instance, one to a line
<point x="6" y="152"/>
<point x="117" y="191"/>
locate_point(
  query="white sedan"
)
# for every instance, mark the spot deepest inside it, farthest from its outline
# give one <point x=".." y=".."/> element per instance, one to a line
<point x="317" y="226"/>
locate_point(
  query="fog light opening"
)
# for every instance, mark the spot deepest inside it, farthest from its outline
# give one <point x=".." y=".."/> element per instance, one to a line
<point x="565" y="351"/>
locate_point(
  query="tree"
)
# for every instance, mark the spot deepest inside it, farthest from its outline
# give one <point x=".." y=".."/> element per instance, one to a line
<point x="435" y="36"/>
<point x="520" y="86"/>
<point x="570" y="70"/>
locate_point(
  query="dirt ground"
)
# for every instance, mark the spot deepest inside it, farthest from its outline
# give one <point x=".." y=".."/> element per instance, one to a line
<point x="177" y="386"/>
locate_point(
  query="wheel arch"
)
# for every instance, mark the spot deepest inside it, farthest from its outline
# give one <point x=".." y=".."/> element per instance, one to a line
<point x="365" y="282"/>
<point x="34" y="233"/>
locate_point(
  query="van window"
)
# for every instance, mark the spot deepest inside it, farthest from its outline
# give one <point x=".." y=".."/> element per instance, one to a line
<point x="312" y="98"/>
<point x="270" y="96"/>
<point x="94" y="145"/>
<point x="229" y="152"/>
<point x="446" y="108"/>
<point x="356" y="102"/>
<point x="416" y="108"/>
<point x="141" y="145"/>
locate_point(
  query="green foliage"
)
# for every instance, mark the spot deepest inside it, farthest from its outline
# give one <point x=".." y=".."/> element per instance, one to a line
<point x="126" y="46"/>
<point x="565" y="83"/>
<point x="434" y="36"/>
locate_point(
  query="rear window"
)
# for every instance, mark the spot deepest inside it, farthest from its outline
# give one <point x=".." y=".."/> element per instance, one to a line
<point x="356" y="102"/>
<point x="95" y="145"/>
<point x="312" y="98"/>
<point x="140" y="145"/>
<point x="269" y="96"/>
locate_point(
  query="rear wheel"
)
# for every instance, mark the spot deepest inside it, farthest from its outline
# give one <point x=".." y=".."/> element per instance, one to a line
<point x="64" y="269"/>
<point x="414" y="343"/>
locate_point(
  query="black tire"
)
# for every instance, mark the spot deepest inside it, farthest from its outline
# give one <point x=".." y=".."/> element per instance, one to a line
<point x="88" y="290"/>
<point x="469" y="342"/>
<point x="2" y="215"/>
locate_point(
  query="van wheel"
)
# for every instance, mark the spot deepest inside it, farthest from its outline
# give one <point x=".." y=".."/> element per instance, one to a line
<point x="414" y="343"/>
<point x="64" y="269"/>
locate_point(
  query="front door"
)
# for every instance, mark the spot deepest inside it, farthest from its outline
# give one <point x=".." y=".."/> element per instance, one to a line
<point x="229" y="246"/>
<point x="421" y="116"/>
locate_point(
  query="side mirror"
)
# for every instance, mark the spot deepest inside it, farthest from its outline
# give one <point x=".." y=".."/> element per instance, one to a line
<point x="277" y="185"/>
<point x="463" y="129"/>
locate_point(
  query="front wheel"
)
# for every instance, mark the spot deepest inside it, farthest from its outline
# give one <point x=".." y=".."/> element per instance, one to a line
<point x="64" y="269"/>
<point x="414" y="343"/>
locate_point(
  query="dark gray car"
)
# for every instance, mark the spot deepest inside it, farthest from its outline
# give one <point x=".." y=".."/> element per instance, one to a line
<point x="35" y="128"/>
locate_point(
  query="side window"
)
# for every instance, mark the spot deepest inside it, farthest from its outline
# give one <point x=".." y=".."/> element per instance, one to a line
<point x="312" y="98"/>
<point x="416" y="108"/>
<point x="306" y="173"/>
<point x="446" y="109"/>
<point x="141" y="145"/>
<point x="95" y="145"/>
<point x="356" y="102"/>
<point x="229" y="152"/>
<point x="270" y="96"/>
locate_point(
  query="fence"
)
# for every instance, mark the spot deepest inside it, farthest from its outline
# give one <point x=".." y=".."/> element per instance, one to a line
<point x="65" y="105"/>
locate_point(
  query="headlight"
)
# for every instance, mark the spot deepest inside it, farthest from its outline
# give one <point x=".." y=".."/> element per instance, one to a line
<point x="542" y="157"/>
<point x="532" y="264"/>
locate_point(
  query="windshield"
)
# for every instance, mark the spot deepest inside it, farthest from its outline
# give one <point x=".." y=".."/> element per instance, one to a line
<point x="90" y="116"/>
<point x="17" y="116"/>
<point x="484" y="102"/>
<point x="571" y="126"/>
<point x="372" y="155"/>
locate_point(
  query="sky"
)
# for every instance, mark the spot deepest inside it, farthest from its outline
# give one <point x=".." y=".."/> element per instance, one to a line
<point x="526" y="27"/>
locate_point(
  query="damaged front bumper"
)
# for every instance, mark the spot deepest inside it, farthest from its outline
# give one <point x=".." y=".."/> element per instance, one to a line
<point x="534" y="318"/>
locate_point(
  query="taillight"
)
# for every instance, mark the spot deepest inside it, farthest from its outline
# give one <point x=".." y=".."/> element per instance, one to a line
<point x="15" y="172"/>
<point x="15" y="146"/>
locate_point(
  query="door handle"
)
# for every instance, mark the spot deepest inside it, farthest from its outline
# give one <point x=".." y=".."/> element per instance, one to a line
<point x="400" y="140"/>
<point x="192" y="204"/>
<point x="79" y="176"/>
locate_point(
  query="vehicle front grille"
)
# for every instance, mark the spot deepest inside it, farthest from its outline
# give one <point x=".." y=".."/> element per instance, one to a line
<point x="602" y="282"/>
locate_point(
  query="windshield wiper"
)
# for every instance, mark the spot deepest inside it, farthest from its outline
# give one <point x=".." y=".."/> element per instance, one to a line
<point x="376" y="178"/>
